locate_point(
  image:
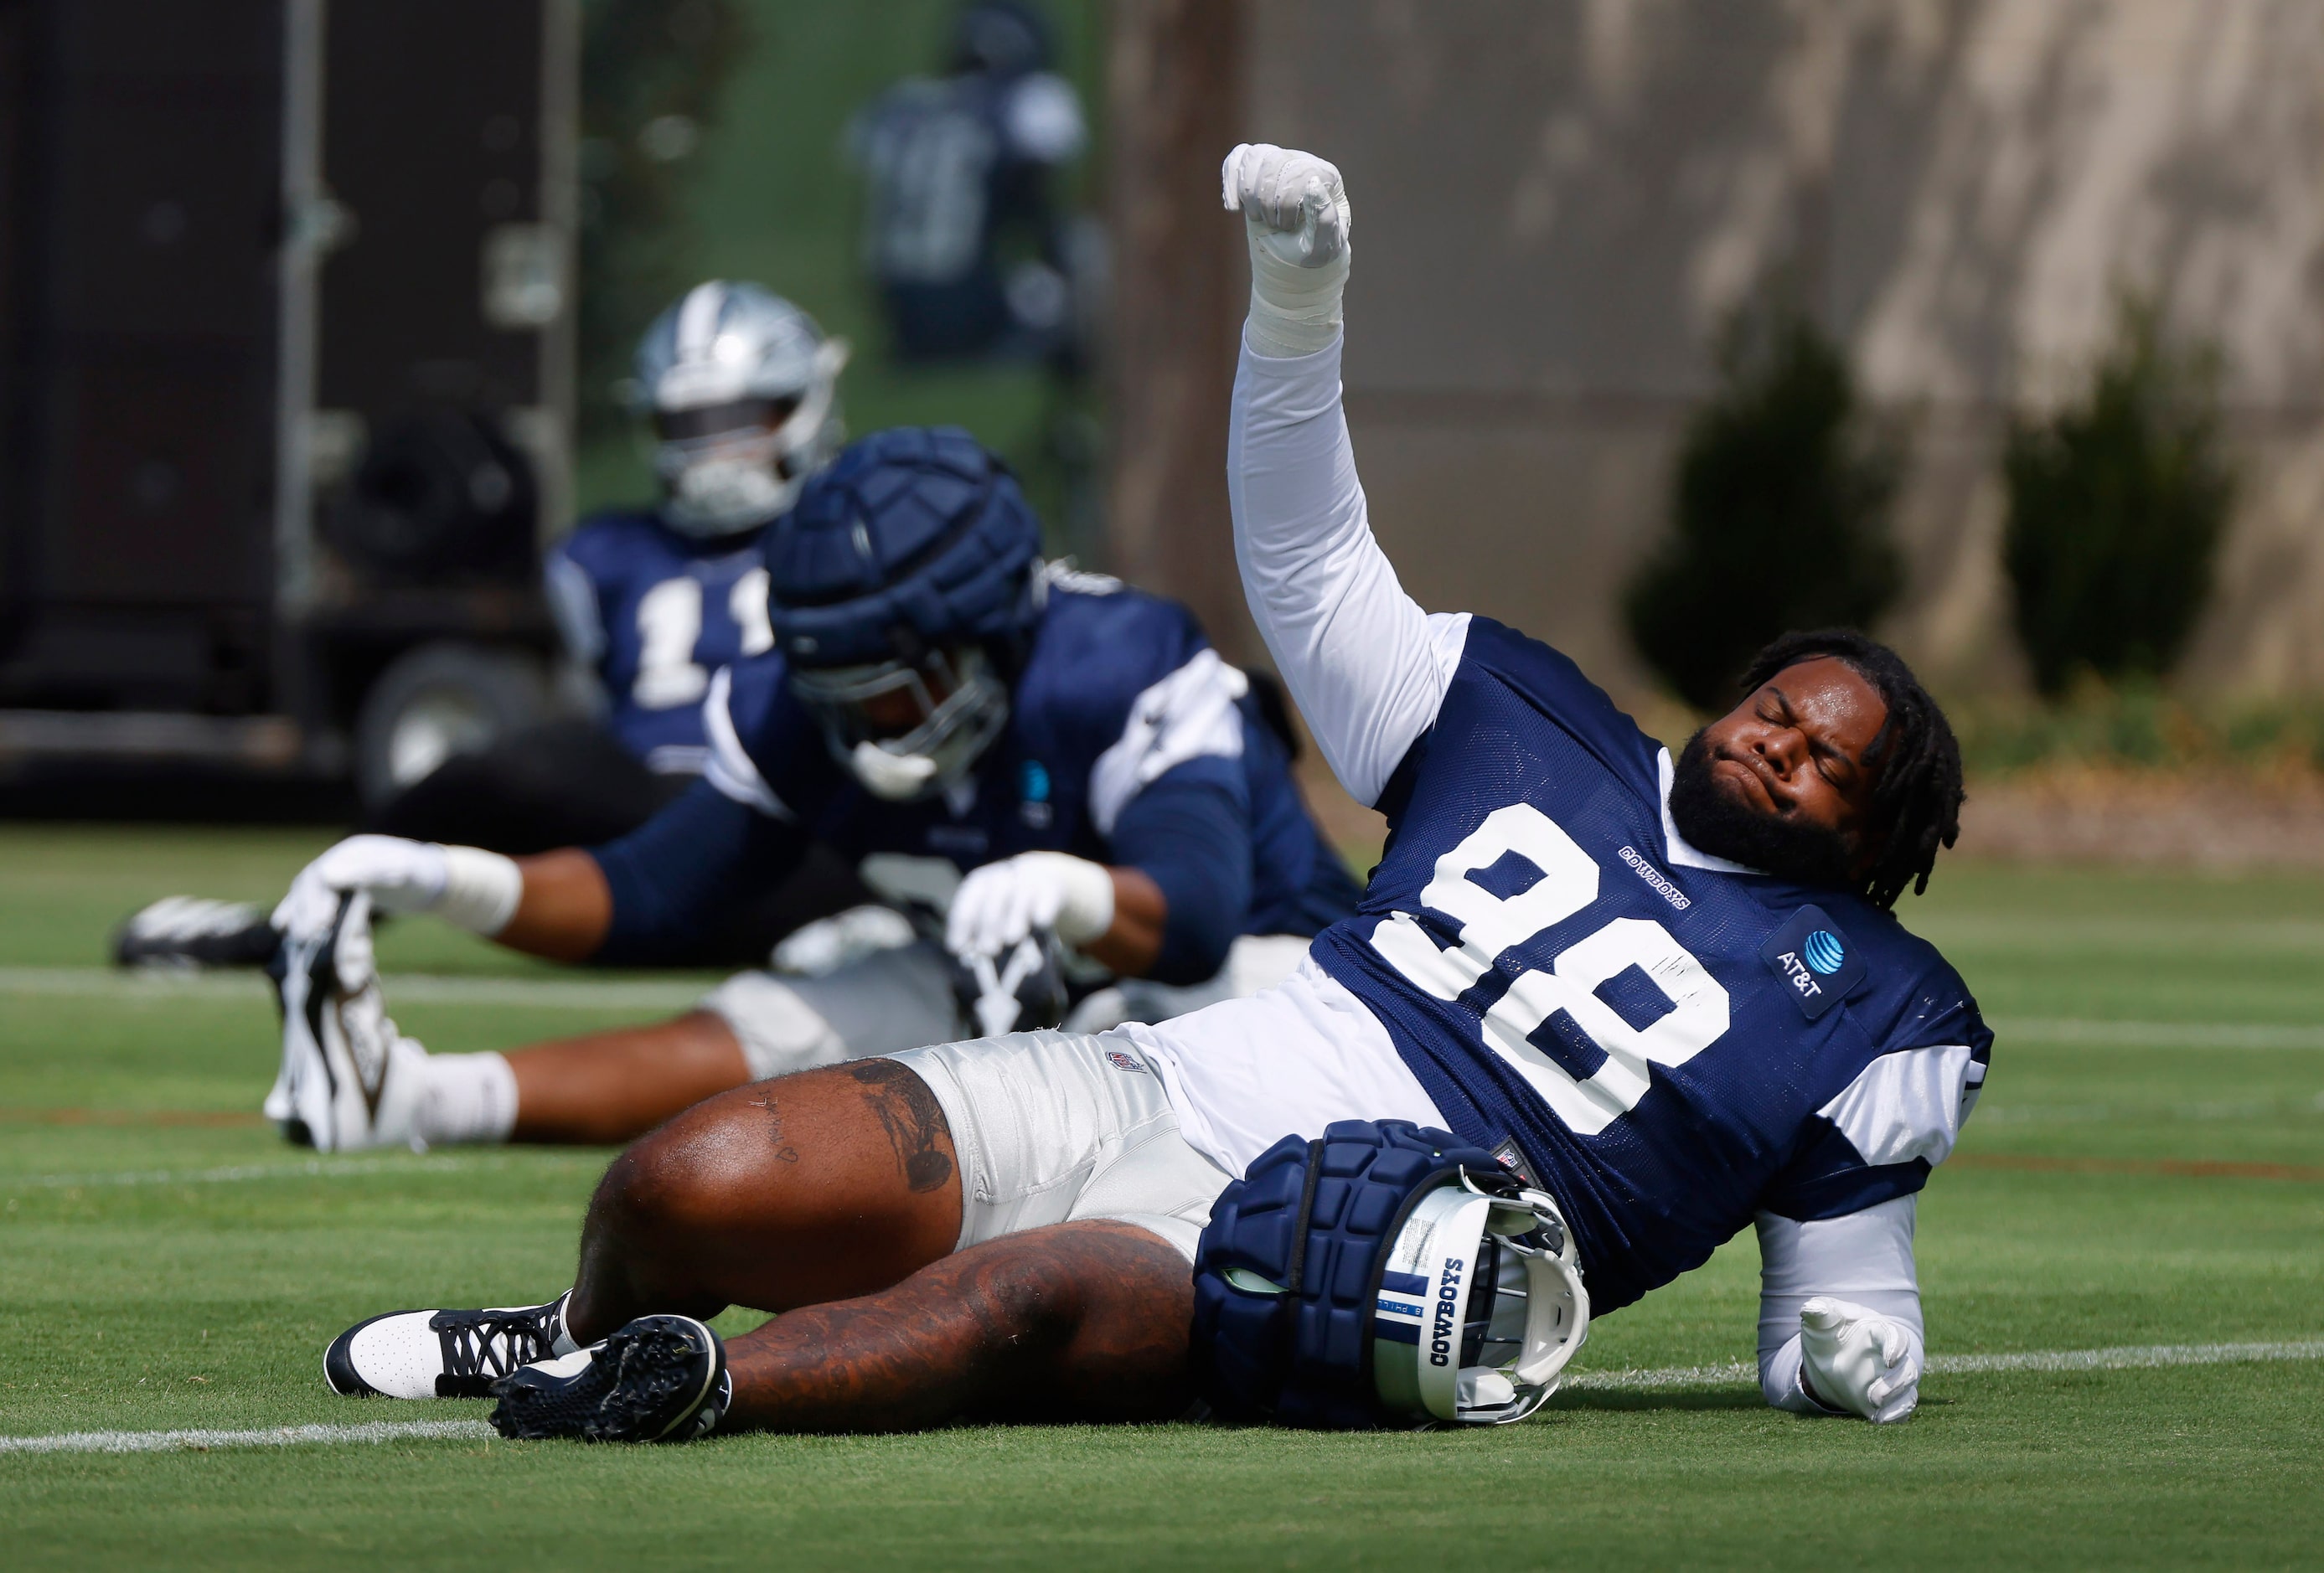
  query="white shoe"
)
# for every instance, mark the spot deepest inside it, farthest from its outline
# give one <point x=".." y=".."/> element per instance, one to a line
<point x="444" y="1354"/>
<point x="348" y="1080"/>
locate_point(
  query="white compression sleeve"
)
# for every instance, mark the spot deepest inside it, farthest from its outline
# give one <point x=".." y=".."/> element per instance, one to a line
<point x="481" y="889"/>
<point x="1367" y="666"/>
<point x="1866" y="1257"/>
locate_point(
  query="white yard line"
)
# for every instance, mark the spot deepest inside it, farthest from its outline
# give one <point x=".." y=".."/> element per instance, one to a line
<point x="2136" y="1357"/>
<point x="579" y="991"/>
<point x="312" y="1168"/>
<point x="377" y="1430"/>
<point x="2157" y="1035"/>
<point x="2133" y="1358"/>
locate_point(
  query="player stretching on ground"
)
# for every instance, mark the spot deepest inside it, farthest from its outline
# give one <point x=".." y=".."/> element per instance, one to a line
<point x="1673" y="989"/>
<point x="1040" y="751"/>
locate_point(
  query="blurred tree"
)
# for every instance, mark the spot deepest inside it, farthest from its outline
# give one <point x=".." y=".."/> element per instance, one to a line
<point x="1175" y="85"/>
<point x="651" y="75"/>
<point x="2116" y="506"/>
<point x="1780" y="510"/>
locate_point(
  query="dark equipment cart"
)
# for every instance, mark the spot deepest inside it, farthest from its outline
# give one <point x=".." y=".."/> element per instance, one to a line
<point x="285" y="385"/>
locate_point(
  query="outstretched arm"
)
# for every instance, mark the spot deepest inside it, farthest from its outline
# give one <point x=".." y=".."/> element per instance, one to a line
<point x="1839" y="1313"/>
<point x="1367" y="666"/>
<point x="631" y="900"/>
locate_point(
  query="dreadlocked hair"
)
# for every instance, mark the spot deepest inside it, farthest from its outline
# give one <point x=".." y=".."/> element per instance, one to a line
<point x="1917" y="805"/>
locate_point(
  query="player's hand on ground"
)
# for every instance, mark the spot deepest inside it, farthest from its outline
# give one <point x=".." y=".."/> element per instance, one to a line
<point x="398" y="876"/>
<point x="1294" y="203"/>
<point x="1002" y="903"/>
<point x="1854" y="1359"/>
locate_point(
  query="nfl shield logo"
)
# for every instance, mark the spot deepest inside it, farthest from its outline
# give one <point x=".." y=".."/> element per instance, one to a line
<point x="1121" y="1062"/>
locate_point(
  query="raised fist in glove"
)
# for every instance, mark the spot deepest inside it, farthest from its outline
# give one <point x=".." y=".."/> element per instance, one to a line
<point x="1854" y="1359"/>
<point x="1002" y="903"/>
<point x="1295" y="220"/>
<point x="475" y="890"/>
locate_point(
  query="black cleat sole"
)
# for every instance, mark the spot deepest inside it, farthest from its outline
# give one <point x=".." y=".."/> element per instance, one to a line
<point x="648" y="1383"/>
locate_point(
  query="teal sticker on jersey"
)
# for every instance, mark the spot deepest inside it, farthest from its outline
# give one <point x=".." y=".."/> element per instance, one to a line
<point x="1815" y="959"/>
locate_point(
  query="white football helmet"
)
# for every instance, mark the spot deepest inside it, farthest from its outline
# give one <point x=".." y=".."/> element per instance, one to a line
<point x="742" y="389"/>
<point x="1481" y="1305"/>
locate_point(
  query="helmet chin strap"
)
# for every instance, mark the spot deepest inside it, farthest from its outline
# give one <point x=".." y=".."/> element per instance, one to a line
<point x="895" y="777"/>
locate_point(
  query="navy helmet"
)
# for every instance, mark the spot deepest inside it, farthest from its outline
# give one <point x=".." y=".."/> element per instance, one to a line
<point x="1007" y="38"/>
<point x="900" y="586"/>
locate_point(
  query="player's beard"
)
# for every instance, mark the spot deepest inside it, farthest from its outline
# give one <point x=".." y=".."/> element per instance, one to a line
<point x="1719" y="823"/>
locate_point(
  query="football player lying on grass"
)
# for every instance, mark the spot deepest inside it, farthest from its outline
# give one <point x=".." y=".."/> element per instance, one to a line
<point x="1036" y="751"/>
<point x="1653" y="1002"/>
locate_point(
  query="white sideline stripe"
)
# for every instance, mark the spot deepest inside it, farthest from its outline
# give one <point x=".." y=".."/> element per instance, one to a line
<point x="378" y="1430"/>
<point x="313" y="1168"/>
<point x="582" y="992"/>
<point x="2130" y="1357"/>
<point x="2159" y="1034"/>
<point x="2136" y="1357"/>
<point x="579" y="992"/>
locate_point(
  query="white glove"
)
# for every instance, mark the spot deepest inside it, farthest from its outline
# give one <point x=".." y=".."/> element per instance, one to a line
<point x="1295" y="220"/>
<point x="1854" y="1359"/>
<point x="476" y="889"/>
<point x="1002" y="903"/>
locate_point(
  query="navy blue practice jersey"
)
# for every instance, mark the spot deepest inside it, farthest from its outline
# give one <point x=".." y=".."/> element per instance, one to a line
<point x="654" y="613"/>
<point x="954" y="165"/>
<point x="1668" y="1044"/>
<point x="1124" y="727"/>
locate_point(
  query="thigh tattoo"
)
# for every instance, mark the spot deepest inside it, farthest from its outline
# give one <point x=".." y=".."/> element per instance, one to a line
<point x="784" y="1152"/>
<point x="912" y="1118"/>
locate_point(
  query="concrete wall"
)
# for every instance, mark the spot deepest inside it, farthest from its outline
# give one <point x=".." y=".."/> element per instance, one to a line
<point x="1557" y="201"/>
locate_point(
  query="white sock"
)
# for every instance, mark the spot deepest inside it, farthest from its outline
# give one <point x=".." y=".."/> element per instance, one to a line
<point x="466" y="1098"/>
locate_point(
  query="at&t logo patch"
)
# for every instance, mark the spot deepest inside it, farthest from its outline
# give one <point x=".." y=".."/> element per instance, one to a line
<point x="1813" y="958"/>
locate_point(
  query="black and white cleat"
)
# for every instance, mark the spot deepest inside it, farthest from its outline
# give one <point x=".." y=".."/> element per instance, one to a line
<point x="348" y="1079"/>
<point x="660" y="1379"/>
<point x="443" y="1353"/>
<point x="191" y="932"/>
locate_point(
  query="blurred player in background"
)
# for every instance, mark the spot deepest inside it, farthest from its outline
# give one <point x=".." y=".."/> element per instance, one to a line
<point x="964" y="237"/>
<point x="739" y="390"/>
<point x="1016" y="750"/>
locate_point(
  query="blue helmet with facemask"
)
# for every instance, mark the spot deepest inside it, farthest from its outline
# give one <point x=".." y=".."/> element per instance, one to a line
<point x="902" y="588"/>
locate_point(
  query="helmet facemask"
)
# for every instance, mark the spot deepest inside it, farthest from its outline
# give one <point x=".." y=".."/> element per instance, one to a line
<point x="730" y="467"/>
<point x="908" y="730"/>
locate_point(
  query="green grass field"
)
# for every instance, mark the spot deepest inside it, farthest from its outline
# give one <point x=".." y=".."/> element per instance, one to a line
<point x="2147" y="1169"/>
